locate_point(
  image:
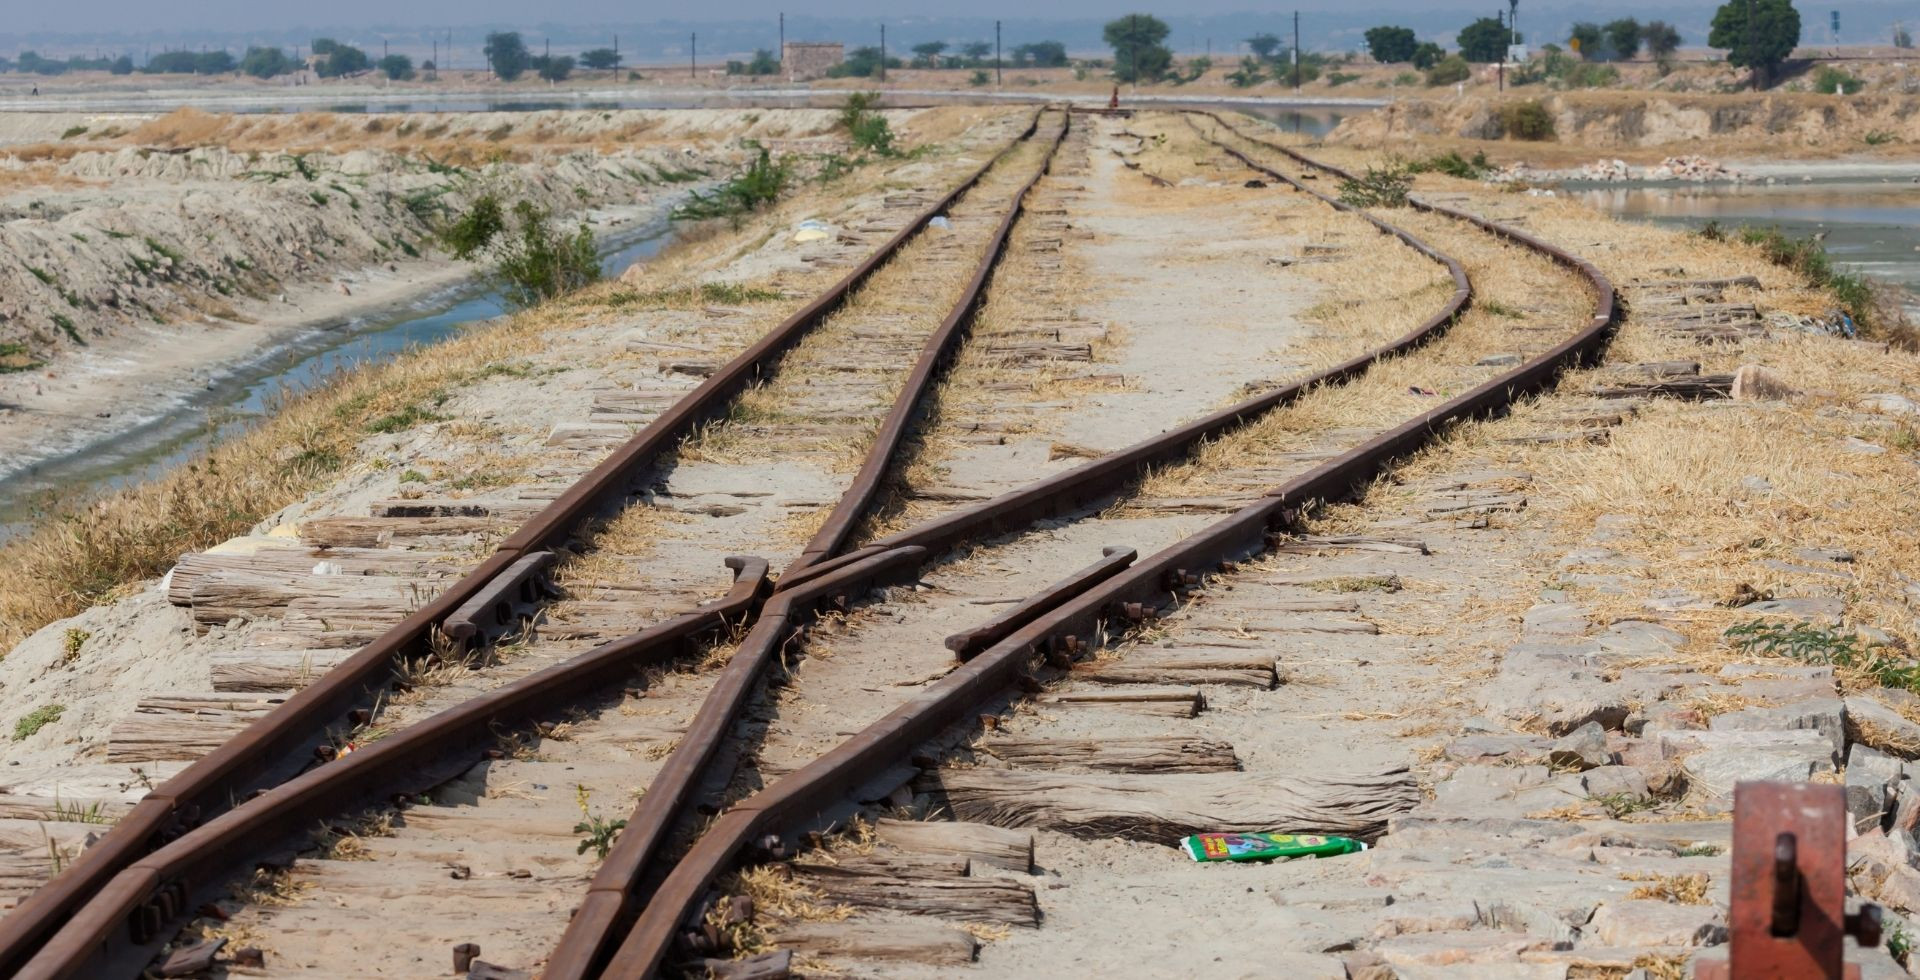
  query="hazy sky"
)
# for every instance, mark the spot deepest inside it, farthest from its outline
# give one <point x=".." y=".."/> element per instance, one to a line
<point x="25" y="16"/>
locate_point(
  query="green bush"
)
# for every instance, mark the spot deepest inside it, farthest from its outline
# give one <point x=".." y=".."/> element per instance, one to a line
<point x="1338" y="78"/>
<point x="1588" y="74"/>
<point x="1384" y="186"/>
<point x="1449" y="70"/>
<point x="1453" y="164"/>
<point x="868" y="129"/>
<point x="1879" y="137"/>
<point x="542" y="262"/>
<point x="1526" y="120"/>
<point x="1835" y="81"/>
<point x="759" y="185"/>
<point x="475" y="229"/>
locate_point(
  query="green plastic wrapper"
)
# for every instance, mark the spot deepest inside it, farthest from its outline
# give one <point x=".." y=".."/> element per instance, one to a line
<point x="1266" y="847"/>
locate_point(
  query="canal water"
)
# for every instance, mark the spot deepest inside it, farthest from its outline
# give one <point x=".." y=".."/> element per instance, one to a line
<point x="239" y="397"/>
<point x="1872" y="225"/>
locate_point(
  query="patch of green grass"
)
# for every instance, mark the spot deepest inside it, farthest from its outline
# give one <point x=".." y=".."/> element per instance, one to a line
<point x="73" y="131"/>
<point x="66" y="326"/>
<point x="404" y="419"/>
<point x="1880" y="137"/>
<point x="43" y="275"/>
<point x="706" y="292"/>
<point x="1619" y="805"/>
<point x="37" y="719"/>
<point x="319" y="199"/>
<point x="1498" y="308"/>
<point x="1808" y="257"/>
<point x="1813" y="644"/>
<point x="159" y="249"/>
<point x="1453" y="164"/>
<point x="15" y="359"/>
<point x="82" y="239"/>
<point x="412" y="476"/>
<point x="1700" y="851"/>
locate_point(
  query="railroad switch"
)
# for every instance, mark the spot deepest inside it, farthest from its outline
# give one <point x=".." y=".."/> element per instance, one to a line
<point x="1788" y="918"/>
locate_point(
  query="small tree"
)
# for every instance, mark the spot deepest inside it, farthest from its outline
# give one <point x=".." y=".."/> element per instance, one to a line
<point x="122" y="65"/>
<point x="1775" y="32"/>
<point x="1427" y="54"/>
<point x="1263" y="46"/>
<point x="600" y="59"/>
<point x="1589" y="41"/>
<point x="1661" y="38"/>
<point x="1484" y="41"/>
<point x="927" y="55"/>
<point x="1041" y="54"/>
<point x="763" y="63"/>
<point x="1138" y="53"/>
<point x="397" y="67"/>
<point x="215" y="63"/>
<point x="338" y="60"/>
<point x="861" y="63"/>
<point x="1623" y="37"/>
<point x="1390" y="45"/>
<point x="1449" y="70"/>
<point x="553" y="68"/>
<point x="975" y="51"/>
<point x="1902" y="39"/>
<point x="265" y="62"/>
<point x="507" y="53"/>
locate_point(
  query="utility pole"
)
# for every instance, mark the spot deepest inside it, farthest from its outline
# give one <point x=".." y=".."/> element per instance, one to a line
<point x="883" y="52"/>
<point x="1753" y="67"/>
<point x="996" y="54"/>
<point x="783" y="43"/>
<point x="1296" y="52"/>
<point x="1500" y="73"/>
<point x="693" y="55"/>
<point x="1133" y="51"/>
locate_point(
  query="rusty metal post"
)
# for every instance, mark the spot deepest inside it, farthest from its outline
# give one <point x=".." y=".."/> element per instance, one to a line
<point x="1788" y="917"/>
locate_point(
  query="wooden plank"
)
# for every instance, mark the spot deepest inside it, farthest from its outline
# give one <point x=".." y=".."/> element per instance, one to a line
<point x="1315" y="544"/>
<point x="272" y="670"/>
<point x="1138" y="753"/>
<point x="906" y="939"/>
<point x="1227" y="667"/>
<point x="1168" y="702"/>
<point x="376" y="532"/>
<point x="1165" y="808"/>
<point x="509" y="510"/>
<point x="983" y="845"/>
<point x="999" y="901"/>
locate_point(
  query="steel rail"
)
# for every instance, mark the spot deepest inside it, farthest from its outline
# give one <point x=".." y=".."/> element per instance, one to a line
<point x="92" y="941"/>
<point x="275" y="747"/>
<point x="827" y="787"/>
<point x="605" y="903"/>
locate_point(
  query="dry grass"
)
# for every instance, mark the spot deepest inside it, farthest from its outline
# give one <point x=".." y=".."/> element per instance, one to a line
<point x="1687" y="889"/>
<point x="83" y="553"/>
<point x="1522" y="303"/>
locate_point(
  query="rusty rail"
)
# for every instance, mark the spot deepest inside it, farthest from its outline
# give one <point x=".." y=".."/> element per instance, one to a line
<point x="272" y="749"/>
<point x="158" y="888"/>
<point x="820" y="790"/>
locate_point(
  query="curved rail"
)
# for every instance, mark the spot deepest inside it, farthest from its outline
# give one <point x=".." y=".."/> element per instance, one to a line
<point x="823" y="789"/>
<point x="358" y="777"/>
<point x="272" y="749"/>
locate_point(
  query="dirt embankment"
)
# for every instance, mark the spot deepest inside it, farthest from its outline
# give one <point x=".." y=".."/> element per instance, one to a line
<point x="1778" y="123"/>
<point x="190" y="216"/>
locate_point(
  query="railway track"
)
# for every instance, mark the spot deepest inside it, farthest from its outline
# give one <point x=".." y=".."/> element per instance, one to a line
<point x="627" y="924"/>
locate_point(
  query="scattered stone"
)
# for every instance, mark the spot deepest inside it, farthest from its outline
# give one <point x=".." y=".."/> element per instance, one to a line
<point x="1583" y="748"/>
<point x="1649" y="922"/>
<point x="1824" y="715"/>
<point x="1872" y="723"/>
<point x="1616" y="781"/>
<point x="1887" y="403"/>
<point x="1753" y="383"/>
<point x="1869" y="774"/>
